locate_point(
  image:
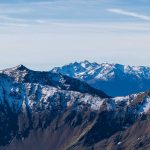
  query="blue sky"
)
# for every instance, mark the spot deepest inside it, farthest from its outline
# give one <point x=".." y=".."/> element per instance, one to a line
<point x="43" y="34"/>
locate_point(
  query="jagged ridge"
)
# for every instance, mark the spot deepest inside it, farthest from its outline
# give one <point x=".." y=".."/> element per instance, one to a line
<point x="38" y="106"/>
<point x="114" y="79"/>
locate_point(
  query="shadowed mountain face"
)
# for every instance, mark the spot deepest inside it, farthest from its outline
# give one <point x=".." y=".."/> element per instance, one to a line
<point x="45" y="110"/>
<point x="22" y="74"/>
<point x="114" y="79"/>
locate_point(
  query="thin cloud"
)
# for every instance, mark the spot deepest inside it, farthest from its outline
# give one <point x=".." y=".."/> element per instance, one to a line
<point x="129" y="13"/>
<point x="8" y="20"/>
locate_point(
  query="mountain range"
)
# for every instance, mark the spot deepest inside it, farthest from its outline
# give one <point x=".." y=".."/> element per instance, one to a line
<point x="114" y="79"/>
<point x="54" y="111"/>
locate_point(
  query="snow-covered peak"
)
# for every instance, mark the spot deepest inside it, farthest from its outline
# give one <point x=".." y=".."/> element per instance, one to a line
<point x="85" y="69"/>
<point x="18" y="72"/>
<point x="21" y="74"/>
<point x="21" y="67"/>
<point x="114" y="79"/>
<point x="28" y="88"/>
<point x="17" y="68"/>
<point x="21" y="89"/>
<point x="85" y="63"/>
<point x="102" y="71"/>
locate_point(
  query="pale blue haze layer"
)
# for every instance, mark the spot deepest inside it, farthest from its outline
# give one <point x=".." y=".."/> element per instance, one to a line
<point x="43" y="34"/>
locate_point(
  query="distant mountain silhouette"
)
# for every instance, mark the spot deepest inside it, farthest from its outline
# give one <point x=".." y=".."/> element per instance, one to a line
<point x="114" y="79"/>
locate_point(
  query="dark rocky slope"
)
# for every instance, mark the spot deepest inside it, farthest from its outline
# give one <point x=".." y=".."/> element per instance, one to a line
<point x="46" y="111"/>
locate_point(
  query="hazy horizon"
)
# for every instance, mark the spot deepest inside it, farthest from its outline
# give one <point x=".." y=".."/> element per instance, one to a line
<point x="44" y="34"/>
<point x="46" y="67"/>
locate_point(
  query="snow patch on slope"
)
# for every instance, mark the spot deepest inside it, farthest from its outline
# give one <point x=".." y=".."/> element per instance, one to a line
<point x="145" y="106"/>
